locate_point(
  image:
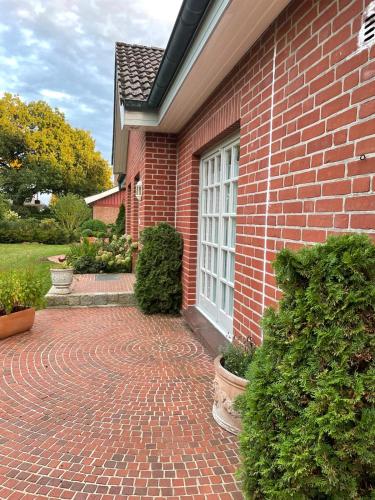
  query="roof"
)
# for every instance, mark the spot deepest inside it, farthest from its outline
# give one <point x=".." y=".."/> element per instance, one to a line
<point x="99" y="196"/>
<point x="137" y="66"/>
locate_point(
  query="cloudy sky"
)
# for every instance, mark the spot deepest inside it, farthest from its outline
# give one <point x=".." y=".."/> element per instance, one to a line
<point x="62" y="51"/>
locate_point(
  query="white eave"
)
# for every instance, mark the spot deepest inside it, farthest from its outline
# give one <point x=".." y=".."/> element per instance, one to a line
<point x="99" y="196"/>
<point x="230" y="28"/>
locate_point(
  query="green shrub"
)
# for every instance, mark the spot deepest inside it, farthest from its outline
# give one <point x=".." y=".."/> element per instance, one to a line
<point x="308" y="413"/>
<point x="32" y="230"/>
<point x="95" y="225"/>
<point x="119" y="226"/>
<point x="237" y="358"/>
<point x="19" y="290"/>
<point x="86" y="233"/>
<point x="113" y="256"/>
<point x="71" y="212"/>
<point x="158" y="271"/>
<point x="34" y="212"/>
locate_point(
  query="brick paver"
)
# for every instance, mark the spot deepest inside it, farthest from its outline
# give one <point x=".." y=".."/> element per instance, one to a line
<point x="109" y="403"/>
<point x="88" y="283"/>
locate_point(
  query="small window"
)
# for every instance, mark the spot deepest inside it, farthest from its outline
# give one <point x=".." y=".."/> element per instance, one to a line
<point x="367" y="33"/>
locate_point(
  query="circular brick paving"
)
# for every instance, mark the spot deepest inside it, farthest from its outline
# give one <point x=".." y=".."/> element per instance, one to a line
<point x="109" y="403"/>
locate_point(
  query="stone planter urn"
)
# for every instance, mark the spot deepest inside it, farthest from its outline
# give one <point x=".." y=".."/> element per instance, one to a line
<point x="16" y="322"/>
<point x="61" y="280"/>
<point x="227" y="387"/>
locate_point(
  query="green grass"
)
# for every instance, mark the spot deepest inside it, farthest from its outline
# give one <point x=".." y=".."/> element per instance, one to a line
<point x="30" y="255"/>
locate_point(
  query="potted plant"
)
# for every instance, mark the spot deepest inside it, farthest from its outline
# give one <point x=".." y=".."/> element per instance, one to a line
<point x="230" y="382"/>
<point x="61" y="279"/>
<point x="20" y="294"/>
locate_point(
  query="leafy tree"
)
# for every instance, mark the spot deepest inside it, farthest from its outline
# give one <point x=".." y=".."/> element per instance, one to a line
<point x="4" y="206"/>
<point x="71" y="211"/>
<point x="158" y="287"/>
<point x="41" y="152"/>
<point x="308" y="412"/>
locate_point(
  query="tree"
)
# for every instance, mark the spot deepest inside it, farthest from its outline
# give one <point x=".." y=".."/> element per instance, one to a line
<point x="41" y="152"/>
<point x="120" y="221"/>
<point x="71" y="211"/>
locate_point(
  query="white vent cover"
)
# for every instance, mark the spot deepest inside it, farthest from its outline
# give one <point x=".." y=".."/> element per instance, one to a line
<point x="367" y="33"/>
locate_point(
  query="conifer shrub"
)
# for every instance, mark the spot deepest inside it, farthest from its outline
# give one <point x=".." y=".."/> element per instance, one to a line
<point x="158" y="272"/>
<point x="119" y="227"/>
<point x="308" y="412"/>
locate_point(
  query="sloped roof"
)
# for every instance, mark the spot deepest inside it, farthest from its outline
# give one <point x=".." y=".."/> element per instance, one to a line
<point x="137" y="66"/>
<point x="99" y="196"/>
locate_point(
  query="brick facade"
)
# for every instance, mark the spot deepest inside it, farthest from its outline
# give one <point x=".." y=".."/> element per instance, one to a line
<point x="302" y="102"/>
<point x="106" y="209"/>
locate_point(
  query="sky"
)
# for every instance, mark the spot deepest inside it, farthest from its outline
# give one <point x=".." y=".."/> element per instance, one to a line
<point x="62" y="51"/>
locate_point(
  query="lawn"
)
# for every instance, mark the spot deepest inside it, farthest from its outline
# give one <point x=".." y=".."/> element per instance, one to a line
<point x="30" y="255"/>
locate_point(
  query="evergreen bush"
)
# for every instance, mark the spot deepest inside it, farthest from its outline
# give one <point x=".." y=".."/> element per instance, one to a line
<point x="119" y="227"/>
<point x="95" y="226"/>
<point x="308" y="413"/>
<point x="158" y="272"/>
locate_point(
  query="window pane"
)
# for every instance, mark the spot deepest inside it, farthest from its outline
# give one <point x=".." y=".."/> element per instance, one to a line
<point x="223" y="296"/>
<point x="213" y="298"/>
<point x="215" y="260"/>
<point x="228" y="161"/>
<point x="218" y="168"/>
<point x="224" y="265"/>
<point x="226" y="198"/>
<point x="233" y="233"/>
<point x="225" y="231"/>
<point x="230" y="301"/>
<point x="236" y="154"/>
<point x="234" y="197"/>
<point x="216" y="230"/>
<point x="231" y="266"/>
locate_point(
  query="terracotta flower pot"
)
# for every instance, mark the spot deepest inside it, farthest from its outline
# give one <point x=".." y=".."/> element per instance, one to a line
<point x="61" y="280"/>
<point x="227" y="387"/>
<point x="16" y="322"/>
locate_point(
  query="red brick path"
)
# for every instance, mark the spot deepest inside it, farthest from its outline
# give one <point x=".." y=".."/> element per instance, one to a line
<point x="108" y="403"/>
<point x="87" y="283"/>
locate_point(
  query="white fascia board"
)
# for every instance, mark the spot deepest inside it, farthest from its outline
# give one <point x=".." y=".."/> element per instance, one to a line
<point x="141" y="119"/>
<point x="153" y="119"/>
<point x="210" y="22"/>
<point x="99" y="196"/>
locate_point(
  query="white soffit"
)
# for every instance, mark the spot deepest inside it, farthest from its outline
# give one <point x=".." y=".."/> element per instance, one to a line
<point x="230" y="29"/>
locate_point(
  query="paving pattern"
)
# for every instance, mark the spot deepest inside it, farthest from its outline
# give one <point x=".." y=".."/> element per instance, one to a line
<point x="111" y="283"/>
<point x="108" y="403"/>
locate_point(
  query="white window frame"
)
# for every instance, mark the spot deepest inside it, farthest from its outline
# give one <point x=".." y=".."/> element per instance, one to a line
<point x="218" y="317"/>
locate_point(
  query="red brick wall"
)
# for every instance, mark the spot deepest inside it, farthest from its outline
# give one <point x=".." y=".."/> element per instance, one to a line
<point x="107" y="208"/>
<point x="152" y="159"/>
<point x="323" y="119"/>
<point x="106" y="214"/>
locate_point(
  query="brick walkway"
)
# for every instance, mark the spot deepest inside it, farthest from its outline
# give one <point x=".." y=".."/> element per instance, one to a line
<point x="108" y="403"/>
<point x="94" y="283"/>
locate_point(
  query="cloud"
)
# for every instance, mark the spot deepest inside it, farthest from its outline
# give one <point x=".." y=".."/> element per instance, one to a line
<point x="56" y="95"/>
<point x="63" y="51"/>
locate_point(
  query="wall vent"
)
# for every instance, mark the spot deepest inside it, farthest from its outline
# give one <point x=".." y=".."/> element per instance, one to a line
<point x="367" y="33"/>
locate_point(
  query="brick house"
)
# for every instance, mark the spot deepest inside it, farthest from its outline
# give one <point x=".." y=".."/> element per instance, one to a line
<point x="253" y="130"/>
<point x="105" y="205"/>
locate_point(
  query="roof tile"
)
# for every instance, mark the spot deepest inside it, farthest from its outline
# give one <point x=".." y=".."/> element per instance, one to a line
<point x="137" y="67"/>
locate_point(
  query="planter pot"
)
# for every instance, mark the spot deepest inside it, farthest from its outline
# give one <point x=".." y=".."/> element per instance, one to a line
<point x="16" y="322"/>
<point x="227" y="387"/>
<point x="61" y="281"/>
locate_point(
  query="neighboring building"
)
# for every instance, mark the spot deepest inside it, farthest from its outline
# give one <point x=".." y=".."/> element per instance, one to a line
<point x="254" y="130"/>
<point x="105" y="206"/>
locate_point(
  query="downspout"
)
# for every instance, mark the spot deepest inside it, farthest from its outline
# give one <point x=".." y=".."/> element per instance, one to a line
<point x="268" y="181"/>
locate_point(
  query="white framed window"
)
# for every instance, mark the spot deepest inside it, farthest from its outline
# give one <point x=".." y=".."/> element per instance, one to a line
<point x="217" y="235"/>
